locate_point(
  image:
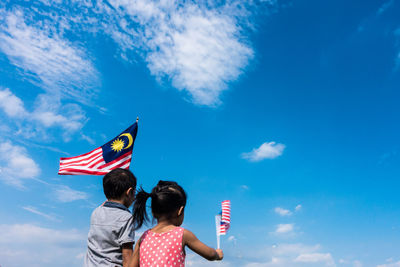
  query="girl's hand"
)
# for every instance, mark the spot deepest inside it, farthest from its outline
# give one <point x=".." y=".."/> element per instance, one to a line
<point x="190" y="240"/>
<point x="220" y="254"/>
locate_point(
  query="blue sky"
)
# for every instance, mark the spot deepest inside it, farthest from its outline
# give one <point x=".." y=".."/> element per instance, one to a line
<point x="287" y="108"/>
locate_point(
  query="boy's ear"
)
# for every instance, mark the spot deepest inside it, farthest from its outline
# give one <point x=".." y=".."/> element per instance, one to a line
<point x="130" y="191"/>
<point x="180" y="211"/>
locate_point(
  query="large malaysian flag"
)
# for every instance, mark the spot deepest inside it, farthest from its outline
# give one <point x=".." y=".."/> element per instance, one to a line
<point x="115" y="154"/>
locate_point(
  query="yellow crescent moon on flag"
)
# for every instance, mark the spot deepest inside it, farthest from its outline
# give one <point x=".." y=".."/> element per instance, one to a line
<point x="129" y="138"/>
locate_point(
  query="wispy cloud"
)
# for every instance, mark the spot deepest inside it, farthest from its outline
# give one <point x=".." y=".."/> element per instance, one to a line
<point x="268" y="150"/>
<point x="34" y="210"/>
<point x="32" y="245"/>
<point x="197" y="47"/>
<point x="28" y="234"/>
<point x="323" y="258"/>
<point x="295" y="255"/>
<point x="47" y="113"/>
<point x="390" y="264"/>
<point x="282" y="211"/>
<point x="384" y="7"/>
<point x="245" y="187"/>
<point x="286" y="212"/>
<point x="397" y="59"/>
<point x="11" y="104"/>
<point x="232" y="239"/>
<point x="16" y="165"/>
<point x="64" y="194"/>
<point x="47" y="59"/>
<point x="284" y="228"/>
<point x="294" y="249"/>
<point x="353" y="263"/>
<point x="194" y="260"/>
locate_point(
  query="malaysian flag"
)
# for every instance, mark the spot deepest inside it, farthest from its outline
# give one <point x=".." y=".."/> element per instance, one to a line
<point x="223" y="220"/>
<point x="115" y="154"/>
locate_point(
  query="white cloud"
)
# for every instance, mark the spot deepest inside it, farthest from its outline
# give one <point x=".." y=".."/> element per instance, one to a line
<point x="323" y="258"/>
<point x="195" y="260"/>
<point x="294" y="249"/>
<point x="298" y="208"/>
<point x="45" y="215"/>
<point x="48" y="112"/>
<point x="16" y="165"/>
<point x="384" y="7"/>
<point x="245" y="187"/>
<point x="12" y="105"/>
<point x="201" y="54"/>
<point x="397" y="57"/>
<point x="64" y="194"/>
<point x="231" y="238"/>
<point x="28" y="234"/>
<point x="294" y="255"/>
<point x="198" y="49"/>
<point x="284" y="228"/>
<point x="31" y="245"/>
<point x="47" y="59"/>
<point x="394" y="264"/>
<point x="88" y="139"/>
<point x="282" y="211"/>
<point x="268" y="150"/>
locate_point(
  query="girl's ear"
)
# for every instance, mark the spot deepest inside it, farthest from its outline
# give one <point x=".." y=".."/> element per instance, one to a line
<point x="180" y="211"/>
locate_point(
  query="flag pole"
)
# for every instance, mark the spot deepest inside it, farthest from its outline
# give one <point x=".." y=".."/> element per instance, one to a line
<point x="217" y="225"/>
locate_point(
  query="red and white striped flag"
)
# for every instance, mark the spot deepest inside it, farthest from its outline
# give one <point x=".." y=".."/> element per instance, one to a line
<point x="117" y="153"/>
<point x="225" y="217"/>
<point x="223" y="220"/>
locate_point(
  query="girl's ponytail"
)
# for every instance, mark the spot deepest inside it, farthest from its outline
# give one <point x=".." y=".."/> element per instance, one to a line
<point x="139" y="208"/>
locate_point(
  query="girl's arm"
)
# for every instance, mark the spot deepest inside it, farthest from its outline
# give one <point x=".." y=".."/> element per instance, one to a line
<point x="190" y="240"/>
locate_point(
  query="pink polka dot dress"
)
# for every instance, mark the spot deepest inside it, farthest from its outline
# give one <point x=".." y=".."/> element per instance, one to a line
<point x="162" y="249"/>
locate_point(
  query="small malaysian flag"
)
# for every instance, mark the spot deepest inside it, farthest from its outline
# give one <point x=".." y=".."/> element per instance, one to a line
<point x="117" y="153"/>
<point x="225" y="217"/>
<point x="223" y="220"/>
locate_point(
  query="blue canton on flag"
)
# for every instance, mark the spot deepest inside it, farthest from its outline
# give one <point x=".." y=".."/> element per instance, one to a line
<point x="120" y="145"/>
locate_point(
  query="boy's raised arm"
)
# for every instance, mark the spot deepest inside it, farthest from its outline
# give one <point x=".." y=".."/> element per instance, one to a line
<point x="200" y="248"/>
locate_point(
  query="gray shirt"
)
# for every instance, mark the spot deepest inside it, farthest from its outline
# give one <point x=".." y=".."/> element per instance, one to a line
<point x="111" y="226"/>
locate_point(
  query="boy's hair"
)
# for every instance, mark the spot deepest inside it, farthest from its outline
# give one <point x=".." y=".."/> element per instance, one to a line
<point x="117" y="181"/>
<point x="166" y="198"/>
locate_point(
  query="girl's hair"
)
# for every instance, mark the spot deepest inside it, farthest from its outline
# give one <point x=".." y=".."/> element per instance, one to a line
<point x="166" y="198"/>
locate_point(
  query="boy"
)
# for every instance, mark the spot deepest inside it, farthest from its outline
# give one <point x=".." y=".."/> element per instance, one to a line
<point x="111" y="235"/>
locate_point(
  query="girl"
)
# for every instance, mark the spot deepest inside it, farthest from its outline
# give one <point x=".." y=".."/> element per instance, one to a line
<point x="164" y="244"/>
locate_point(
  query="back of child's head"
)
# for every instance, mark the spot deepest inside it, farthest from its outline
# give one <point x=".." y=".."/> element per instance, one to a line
<point x="117" y="182"/>
<point x="166" y="198"/>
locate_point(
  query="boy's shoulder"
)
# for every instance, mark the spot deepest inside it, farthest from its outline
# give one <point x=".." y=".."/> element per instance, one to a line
<point x="110" y="212"/>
